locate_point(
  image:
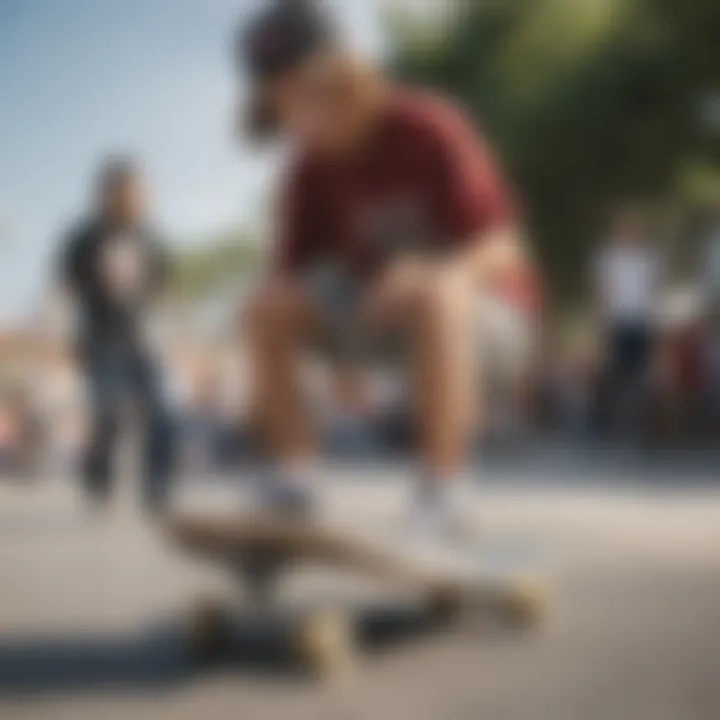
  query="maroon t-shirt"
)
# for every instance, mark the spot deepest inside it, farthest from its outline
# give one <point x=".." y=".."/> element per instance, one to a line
<point x="424" y="181"/>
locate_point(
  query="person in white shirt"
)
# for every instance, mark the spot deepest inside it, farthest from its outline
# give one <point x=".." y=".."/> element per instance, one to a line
<point x="709" y="286"/>
<point x="627" y="275"/>
<point x="709" y="272"/>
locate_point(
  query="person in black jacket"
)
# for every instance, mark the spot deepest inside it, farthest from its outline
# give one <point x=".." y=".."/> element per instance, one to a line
<point x="114" y="264"/>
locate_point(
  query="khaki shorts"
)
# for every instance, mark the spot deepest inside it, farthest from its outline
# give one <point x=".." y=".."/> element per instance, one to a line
<point x="505" y="336"/>
<point x="342" y="339"/>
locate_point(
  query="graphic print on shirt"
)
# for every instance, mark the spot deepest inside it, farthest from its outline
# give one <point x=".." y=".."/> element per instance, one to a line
<point x="389" y="226"/>
<point x="123" y="269"/>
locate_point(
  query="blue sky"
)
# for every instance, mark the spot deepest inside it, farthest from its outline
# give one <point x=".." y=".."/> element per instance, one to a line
<point x="81" y="78"/>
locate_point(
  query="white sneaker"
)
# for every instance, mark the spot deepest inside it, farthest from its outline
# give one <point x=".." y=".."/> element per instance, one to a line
<point x="439" y="515"/>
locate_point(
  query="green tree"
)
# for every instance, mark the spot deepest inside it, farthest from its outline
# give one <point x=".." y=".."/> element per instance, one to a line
<point x="590" y="102"/>
<point x="214" y="264"/>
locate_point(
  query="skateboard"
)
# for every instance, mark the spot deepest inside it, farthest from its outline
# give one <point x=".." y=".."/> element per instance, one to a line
<point x="258" y="549"/>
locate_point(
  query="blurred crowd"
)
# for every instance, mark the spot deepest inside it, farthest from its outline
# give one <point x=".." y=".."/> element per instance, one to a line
<point x="640" y="364"/>
<point x="646" y="367"/>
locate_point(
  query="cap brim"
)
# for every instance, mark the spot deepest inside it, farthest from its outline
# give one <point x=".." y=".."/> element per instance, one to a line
<point x="255" y="120"/>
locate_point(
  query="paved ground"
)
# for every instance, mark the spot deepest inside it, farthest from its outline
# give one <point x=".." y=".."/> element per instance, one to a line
<point x="88" y="618"/>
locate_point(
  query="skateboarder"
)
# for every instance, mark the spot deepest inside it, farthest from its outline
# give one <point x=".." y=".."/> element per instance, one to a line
<point x="394" y="218"/>
<point x="113" y="264"/>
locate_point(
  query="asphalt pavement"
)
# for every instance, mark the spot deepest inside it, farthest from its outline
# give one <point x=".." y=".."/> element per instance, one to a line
<point x="91" y="612"/>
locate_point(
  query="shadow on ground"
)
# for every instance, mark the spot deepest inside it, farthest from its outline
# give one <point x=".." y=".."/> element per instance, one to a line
<point x="162" y="655"/>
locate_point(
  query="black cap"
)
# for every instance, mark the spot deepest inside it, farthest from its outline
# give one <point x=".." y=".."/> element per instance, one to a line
<point x="275" y="41"/>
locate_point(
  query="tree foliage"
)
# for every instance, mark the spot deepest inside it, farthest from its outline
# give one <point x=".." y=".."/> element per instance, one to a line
<point x="211" y="266"/>
<point x="590" y="103"/>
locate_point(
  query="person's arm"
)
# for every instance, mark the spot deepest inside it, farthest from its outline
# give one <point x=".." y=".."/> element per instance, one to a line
<point x="299" y="232"/>
<point x="492" y="257"/>
<point x="64" y="276"/>
<point x="475" y="209"/>
<point x="67" y="270"/>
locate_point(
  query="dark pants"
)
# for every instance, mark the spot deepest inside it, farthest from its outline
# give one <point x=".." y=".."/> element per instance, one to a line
<point x="631" y="351"/>
<point x="122" y="378"/>
<point x="631" y="347"/>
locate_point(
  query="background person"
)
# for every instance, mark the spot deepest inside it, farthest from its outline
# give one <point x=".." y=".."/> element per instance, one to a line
<point x="113" y="265"/>
<point x="627" y="275"/>
<point x="709" y="271"/>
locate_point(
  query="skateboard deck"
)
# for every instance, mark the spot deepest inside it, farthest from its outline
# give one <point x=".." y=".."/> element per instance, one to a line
<point x="453" y="583"/>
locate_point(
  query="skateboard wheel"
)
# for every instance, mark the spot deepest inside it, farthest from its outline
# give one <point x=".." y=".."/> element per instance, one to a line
<point x="526" y="603"/>
<point x="445" y="605"/>
<point x="209" y="629"/>
<point x="260" y="576"/>
<point x="323" y="644"/>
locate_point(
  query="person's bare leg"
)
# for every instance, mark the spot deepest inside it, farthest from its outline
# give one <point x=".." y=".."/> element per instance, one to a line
<point x="435" y="305"/>
<point x="280" y="322"/>
<point x="445" y="374"/>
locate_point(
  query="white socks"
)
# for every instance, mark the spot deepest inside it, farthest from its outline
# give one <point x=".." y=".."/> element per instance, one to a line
<point x="440" y="504"/>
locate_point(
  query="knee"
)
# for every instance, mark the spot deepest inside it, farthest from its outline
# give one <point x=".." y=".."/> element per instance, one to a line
<point x="439" y="299"/>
